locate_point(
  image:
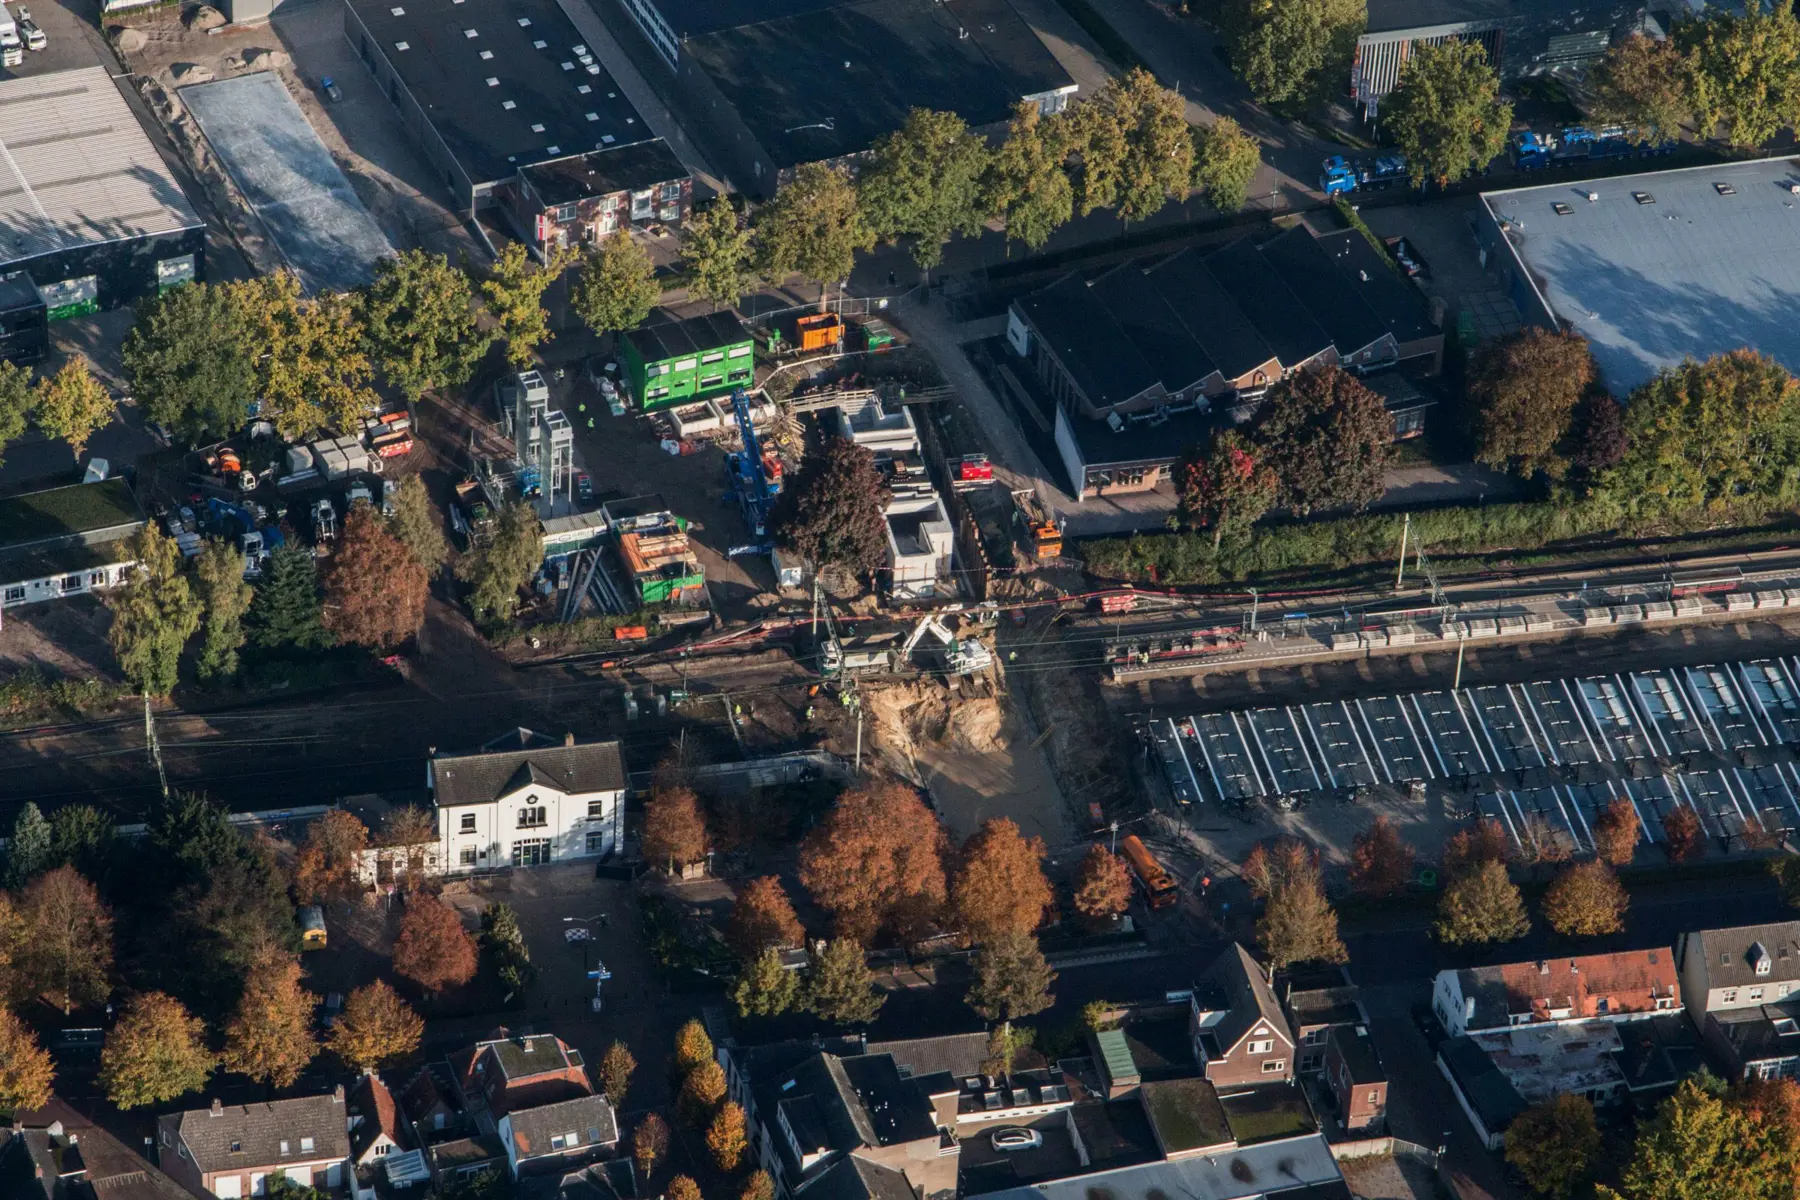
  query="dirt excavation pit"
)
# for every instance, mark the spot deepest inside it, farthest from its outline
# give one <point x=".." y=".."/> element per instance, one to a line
<point x="911" y="717"/>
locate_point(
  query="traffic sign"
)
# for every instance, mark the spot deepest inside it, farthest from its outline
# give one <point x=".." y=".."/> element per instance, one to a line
<point x="576" y="933"/>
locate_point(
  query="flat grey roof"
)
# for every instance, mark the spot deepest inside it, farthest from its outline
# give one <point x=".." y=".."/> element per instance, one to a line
<point x="76" y="168"/>
<point x="290" y="178"/>
<point x="1694" y="273"/>
<point x="1250" y="1171"/>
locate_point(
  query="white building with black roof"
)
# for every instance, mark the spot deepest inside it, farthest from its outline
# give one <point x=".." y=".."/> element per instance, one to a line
<point x="525" y="800"/>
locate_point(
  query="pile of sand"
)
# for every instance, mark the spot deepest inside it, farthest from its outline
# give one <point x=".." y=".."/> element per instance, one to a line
<point x="909" y="716"/>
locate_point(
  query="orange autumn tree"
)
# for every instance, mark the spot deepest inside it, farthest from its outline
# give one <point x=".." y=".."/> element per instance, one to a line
<point x="763" y="917"/>
<point x="433" y="949"/>
<point x="1102" y="884"/>
<point x="674" y="829"/>
<point x="877" y="861"/>
<point x="1000" y="887"/>
<point x="374" y="589"/>
<point x="327" y="866"/>
<point x="1380" y="860"/>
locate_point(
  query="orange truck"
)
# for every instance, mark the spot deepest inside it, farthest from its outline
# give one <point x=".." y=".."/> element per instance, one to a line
<point x="1160" y="889"/>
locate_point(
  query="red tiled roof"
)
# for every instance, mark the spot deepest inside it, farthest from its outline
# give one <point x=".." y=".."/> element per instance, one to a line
<point x="1630" y="981"/>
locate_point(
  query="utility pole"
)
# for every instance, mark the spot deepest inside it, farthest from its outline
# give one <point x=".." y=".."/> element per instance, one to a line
<point x="1254" y="599"/>
<point x="150" y="743"/>
<point x="1461" y="645"/>
<point x="1115" y="837"/>
<point x="1404" y="531"/>
<point x="815" y="623"/>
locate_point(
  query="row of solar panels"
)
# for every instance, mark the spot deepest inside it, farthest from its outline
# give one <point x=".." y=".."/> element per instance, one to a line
<point x="1668" y="713"/>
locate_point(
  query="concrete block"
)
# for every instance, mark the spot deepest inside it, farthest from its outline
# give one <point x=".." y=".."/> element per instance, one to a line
<point x="1538" y="622"/>
<point x="1482" y="627"/>
<point x="1689" y="606"/>
<point x="1739" y="601"/>
<point x="1345" y="641"/>
<point x="1402" y="635"/>
<point x="1512" y="626"/>
<point x="1627" y="614"/>
<point x="1658" y="610"/>
<point x="1771" y="598"/>
<point x="1597" y="615"/>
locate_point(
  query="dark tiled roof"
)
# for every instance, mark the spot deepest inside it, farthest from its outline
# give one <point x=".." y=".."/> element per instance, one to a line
<point x="469" y="1151"/>
<point x="481" y="778"/>
<point x="673" y="339"/>
<point x="1325" y="1006"/>
<point x="1077" y="328"/>
<point x="113" y="1170"/>
<point x="1305" y="266"/>
<point x="893" y="1106"/>
<point x="1725" y="953"/>
<point x="1358" y="1052"/>
<point x="1487" y="1089"/>
<point x="374" y="1103"/>
<point x="1153" y="327"/>
<point x="1251" y="280"/>
<point x="1753" y="1034"/>
<point x="615" y="169"/>
<point x="1392" y="297"/>
<point x="589" y="1118"/>
<point x="1214" y="319"/>
<point x="261" y="1130"/>
<point x="1241" y="979"/>
<point x="957" y="1053"/>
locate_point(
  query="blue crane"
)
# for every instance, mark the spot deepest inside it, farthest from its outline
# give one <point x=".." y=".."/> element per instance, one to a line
<point x="755" y="484"/>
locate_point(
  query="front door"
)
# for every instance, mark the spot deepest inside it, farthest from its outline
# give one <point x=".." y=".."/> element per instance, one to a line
<point x="531" y="852"/>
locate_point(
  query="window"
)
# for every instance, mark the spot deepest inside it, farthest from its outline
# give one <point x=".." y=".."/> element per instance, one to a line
<point x="468" y="856"/>
<point x="382" y="1148"/>
<point x="15" y="594"/>
<point x="306" y="1145"/>
<point x="596" y="843"/>
<point x="1728" y="996"/>
<point x="739" y="376"/>
<point x="1374" y="1097"/>
<point x="1781" y="989"/>
<point x="687" y="364"/>
<point x="1262" y="1047"/>
<point x="715" y="356"/>
<point x="1311" y="1062"/>
<point x="71" y="583"/>
<point x="1274" y="1066"/>
<point x="597" y="810"/>
<point x="564" y="213"/>
<point x="655" y="393"/>
<point x="1756" y="993"/>
<point x="556" y="1141"/>
<point x="532" y="818"/>
<point x="739" y="352"/>
<point x="468" y="823"/>
<point x="1318" y="1037"/>
<point x="710" y="381"/>
<point x="531" y="852"/>
<point x="237" y="1147"/>
<point x="96" y="578"/>
<point x="284" y="1147"/>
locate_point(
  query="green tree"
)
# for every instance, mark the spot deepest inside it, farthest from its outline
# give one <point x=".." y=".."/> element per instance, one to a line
<point x="766" y="988"/>
<point x="715" y="254"/>
<point x="1225" y="161"/>
<point x="1524" y="389"/>
<point x="1227" y="487"/>
<point x="812" y="228"/>
<point x="190" y="361"/>
<point x="284" y="616"/>
<point x="1027" y="182"/>
<point x="1479" y="906"/>
<point x="499" y="567"/>
<point x="72" y="405"/>
<point x="513" y="290"/>
<point x="1287" y="50"/>
<point x="616" y="287"/>
<point x="503" y="949"/>
<point x="154" y="614"/>
<point x="1642" y="82"/>
<point x="416" y="523"/>
<point x="839" y="987"/>
<point x="225" y="598"/>
<point x="1011" y="978"/>
<point x="1446" y="116"/>
<point x="1137" y="132"/>
<point x="1743" y="71"/>
<point x="925" y="180"/>
<point x="616" y="1068"/>
<point x="312" y="367"/>
<point x="1554" y="1144"/>
<point x="30" y="849"/>
<point x="1699" y="1147"/>
<point x="156" y="1053"/>
<point x="15" y="404"/>
<point x="1297" y="924"/>
<point x="1586" y="900"/>
<point x="1705" y="433"/>
<point x="1328" y="439"/>
<point x="831" y="513"/>
<point x="83" y="837"/>
<point x="419" y="312"/>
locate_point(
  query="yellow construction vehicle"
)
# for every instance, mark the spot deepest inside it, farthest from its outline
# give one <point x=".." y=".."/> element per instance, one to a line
<point x="1043" y="535"/>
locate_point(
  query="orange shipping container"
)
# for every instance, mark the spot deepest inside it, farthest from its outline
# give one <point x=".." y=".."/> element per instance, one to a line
<point x="820" y="331"/>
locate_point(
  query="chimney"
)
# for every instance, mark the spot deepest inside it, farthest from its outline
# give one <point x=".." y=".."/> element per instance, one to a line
<point x="337" y="1094"/>
<point x="568" y="739"/>
<point x="218" y="1109"/>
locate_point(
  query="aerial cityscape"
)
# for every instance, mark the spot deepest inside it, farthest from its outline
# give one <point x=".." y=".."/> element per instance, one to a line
<point x="899" y="600"/>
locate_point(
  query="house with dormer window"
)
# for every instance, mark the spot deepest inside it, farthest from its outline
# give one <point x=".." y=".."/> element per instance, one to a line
<point x="525" y="799"/>
<point x="1742" y="988"/>
<point x="231" y="1152"/>
<point x="1610" y="987"/>
<point x="1240" y="1036"/>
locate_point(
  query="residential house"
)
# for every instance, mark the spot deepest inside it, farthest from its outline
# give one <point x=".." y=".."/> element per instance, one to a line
<point x="1358" y="1083"/>
<point x="231" y="1151"/>
<point x="57" y="1153"/>
<point x="376" y="1127"/>
<point x="1317" y="1002"/>
<point x="1741" y="987"/>
<point x="525" y="800"/>
<point x="66" y="541"/>
<point x="553" y="1139"/>
<point x="1240" y="1036"/>
<point x="1609" y="987"/>
<point x="510" y="1072"/>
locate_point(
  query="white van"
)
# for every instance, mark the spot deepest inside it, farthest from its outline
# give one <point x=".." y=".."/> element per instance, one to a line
<point x="28" y="29"/>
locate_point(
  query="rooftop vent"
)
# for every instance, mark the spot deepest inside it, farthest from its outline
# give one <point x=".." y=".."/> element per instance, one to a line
<point x="1724" y="189"/>
<point x="470" y="33"/>
<point x="524" y="22"/>
<point x="1593" y="197"/>
<point x="486" y="55"/>
<point x="584" y="89"/>
<point x="508" y="105"/>
<point x="1794" y="189"/>
<point x="540" y="45"/>
<point x="402" y="46"/>
<point x="1643" y="197"/>
<point x="1561" y="209"/>
<point x="493" y="81"/>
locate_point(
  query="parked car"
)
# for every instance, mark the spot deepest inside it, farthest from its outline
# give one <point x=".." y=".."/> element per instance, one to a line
<point x="584" y="487"/>
<point x="1006" y="1140"/>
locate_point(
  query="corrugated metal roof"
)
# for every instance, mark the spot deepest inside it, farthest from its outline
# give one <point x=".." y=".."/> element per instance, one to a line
<point x="76" y="168"/>
<point x="1116" y="1054"/>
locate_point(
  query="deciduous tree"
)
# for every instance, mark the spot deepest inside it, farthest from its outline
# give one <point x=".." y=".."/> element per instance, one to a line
<point x="616" y="1068"/>
<point x="271" y="1039"/>
<point x="433" y="949"/>
<point x="700" y="1094"/>
<point x="683" y="1188"/>
<point x="284" y="614"/>
<point x="924" y="179"/>
<point x="415" y="521"/>
<point x="191" y="362"/>
<point x="1586" y="901"/>
<point x="374" y="590"/>
<point x="831" y="514"/>
<point x="1380" y="860"/>
<point x="1598" y="440"/>
<point x="155" y="1053"/>
<point x="26" y="1072"/>
<point x="877" y="860"/>
<point x="1468" y="849"/>
<point x="1481" y="905"/>
<point x="693" y="1047"/>
<point x="376" y="1028"/>
<point x="1447" y="116"/>
<point x="73" y="405"/>
<point x="154" y="614"/>
<point x="1102" y="884"/>
<point x="328" y="862"/>
<point x="1227" y="487"/>
<point x="758" y="1187"/>
<point x="1288" y="50"/>
<point x="1226" y="159"/>
<point x="649" y="1142"/>
<point x="1683" y="836"/>
<point x="1011" y="978"/>
<point x="1701" y="1147"/>
<point x="503" y="948"/>
<point x="1523" y="390"/>
<point x="675" y="832"/>
<point x="1000" y="886"/>
<point x="1328" y="439"/>
<point x="715" y="253"/>
<point x="224" y="599"/>
<point x="15" y="404"/>
<point x="502" y="564"/>
<point x="1297" y="923"/>
<point x="1743" y="71"/>
<point x="763" y="917"/>
<point x="1616" y="833"/>
<point x="1554" y="1144"/>
<point x="1137" y="153"/>
<point x="727" y="1137"/>
<point x="766" y="988"/>
<point x="30" y="848"/>
<point x="12" y="946"/>
<point x="419" y="312"/>
<point x="1027" y="183"/>
<point x="312" y="368"/>
<point x="1641" y="82"/>
<point x="68" y="955"/>
<point x="513" y="291"/>
<point x="814" y="228"/>
<point x="408" y="833"/>
<point x="839" y="987"/>
<point x="616" y="287"/>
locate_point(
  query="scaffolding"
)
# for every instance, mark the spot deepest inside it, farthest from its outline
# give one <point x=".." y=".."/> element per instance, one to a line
<point x="543" y="439"/>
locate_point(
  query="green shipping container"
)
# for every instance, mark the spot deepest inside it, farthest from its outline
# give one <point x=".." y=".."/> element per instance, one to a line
<point x="680" y="361"/>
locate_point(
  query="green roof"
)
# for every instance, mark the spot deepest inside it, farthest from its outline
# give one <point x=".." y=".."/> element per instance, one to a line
<point x="18" y="566"/>
<point x="67" y="511"/>
<point x="1115" y="1052"/>
<point x="1186" y="1115"/>
<point x="1265" y="1113"/>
